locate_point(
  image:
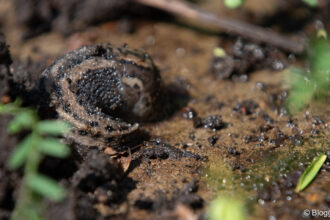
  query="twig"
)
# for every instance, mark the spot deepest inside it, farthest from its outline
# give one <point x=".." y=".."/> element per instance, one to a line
<point x="227" y="25"/>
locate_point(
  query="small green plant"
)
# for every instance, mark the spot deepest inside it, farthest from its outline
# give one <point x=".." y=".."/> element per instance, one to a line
<point x="312" y="84"/>
<point x="310" y="172"/>
<point x="311" y="3"/>
<point x="226" y="208"/>
<point x="233" y="3"/>
<point x="34" y="187"/>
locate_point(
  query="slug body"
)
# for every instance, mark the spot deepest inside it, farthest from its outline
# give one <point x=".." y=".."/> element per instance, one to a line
<point x="103" y="91"/>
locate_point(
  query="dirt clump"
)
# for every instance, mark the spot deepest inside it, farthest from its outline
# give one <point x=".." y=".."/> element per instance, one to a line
<point x="245" y="57"/>
<point x="5" y="61"/>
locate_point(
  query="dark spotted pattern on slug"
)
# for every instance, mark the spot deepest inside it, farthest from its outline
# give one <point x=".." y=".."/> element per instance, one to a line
<point x="103" y="91"/>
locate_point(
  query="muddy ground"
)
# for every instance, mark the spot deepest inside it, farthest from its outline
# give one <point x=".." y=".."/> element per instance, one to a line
<point x="225" y="137"/>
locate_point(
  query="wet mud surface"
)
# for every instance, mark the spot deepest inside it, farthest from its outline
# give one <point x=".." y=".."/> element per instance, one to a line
<point x="224" y="137"/>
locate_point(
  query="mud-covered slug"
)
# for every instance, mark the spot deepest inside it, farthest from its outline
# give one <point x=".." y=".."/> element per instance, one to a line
<point x="104" y="91"/>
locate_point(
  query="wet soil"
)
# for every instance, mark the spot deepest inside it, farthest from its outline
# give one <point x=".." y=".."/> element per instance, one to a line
<point x="226" y="137"/>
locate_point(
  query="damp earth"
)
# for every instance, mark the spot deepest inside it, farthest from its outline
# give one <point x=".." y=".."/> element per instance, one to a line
<point x="228" y="132"/>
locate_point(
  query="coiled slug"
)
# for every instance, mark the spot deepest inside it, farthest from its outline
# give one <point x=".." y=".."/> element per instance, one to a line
<point x="104" y="91"/>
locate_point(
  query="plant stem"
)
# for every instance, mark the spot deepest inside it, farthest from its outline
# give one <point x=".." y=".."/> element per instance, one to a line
<point x="28" y="201"/>
<point x="230" y="26"/>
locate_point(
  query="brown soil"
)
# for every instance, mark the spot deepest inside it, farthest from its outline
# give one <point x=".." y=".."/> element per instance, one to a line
<point x="225" y="137"/>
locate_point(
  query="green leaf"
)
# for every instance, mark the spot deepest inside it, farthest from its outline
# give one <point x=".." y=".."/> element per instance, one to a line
<point x="25" y="213"/>
<point x="225" y="208"/>
<point x="46" y="187"/>
<point x="20" y="154"/>
<point x="310" y="172"/>
<point x="12" y="108"/>
<point x="301" y="92"/>
<point x="319" y="54"/>
<point x="312" y="3"/>
<point x="53" y="127"/>
<point x="313" y="84"/>
<point x="233" y="3"/>
<point x="24" y="120"/>
<point x="54" y="147"/>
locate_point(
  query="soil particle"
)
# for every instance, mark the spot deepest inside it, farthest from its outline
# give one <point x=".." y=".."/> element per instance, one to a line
<point x="222" y="67"/>
<point x="192" y="136"/>
<point x="77" y="205"/>
<point x="233" y="151"/>
<point x="26" y="74"/>
<point x="220" y="105"/>
<point x="4" y="51"/>
<point x="162" y="150"/>
<point x="146" y="204"/>
<point x="245" y="57"/>
<point x="246" y="107"/>
<point x="274" y="136"/>
<point x="25" y="83"/>
<point x="296" y="140"/>
<point x="317" y="121"/>
<point x="189" y="113"/>
<point x="279" y="138"/>
<point x="99" y="182"/>
<point x="19" y="78"/>
<point x="185" y="146"/>
<point x="250" y="138"/>
<point x="268" y="119"/>
<point x="213" y="121"/>
<point x="283" y="189"/>
<point x="235" y="165"/>
<point x="96" y="170"/>
<point x="276" y="101"/>
<point x="198" y="122"/>
<point x="187" y="196"/>
<point x="213" y="140"/>
<point x="5" y="61"/>
<point x="265" y="127"/>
